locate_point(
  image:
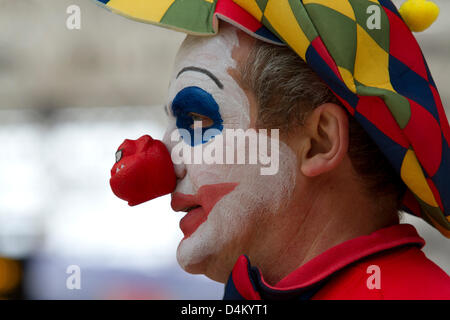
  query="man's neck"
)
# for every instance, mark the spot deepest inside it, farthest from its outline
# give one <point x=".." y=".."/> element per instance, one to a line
<point x="335" y="212"/>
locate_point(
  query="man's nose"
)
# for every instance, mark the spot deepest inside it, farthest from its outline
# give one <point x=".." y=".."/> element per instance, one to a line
<point x="143" y="171"/>
<point x="179" y="167"/>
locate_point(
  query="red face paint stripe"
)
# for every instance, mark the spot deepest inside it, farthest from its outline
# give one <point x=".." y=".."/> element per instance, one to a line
<point x="206" y="197"/>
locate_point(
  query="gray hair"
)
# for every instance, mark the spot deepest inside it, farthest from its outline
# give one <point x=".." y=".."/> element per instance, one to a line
<point x="287" y="90"/>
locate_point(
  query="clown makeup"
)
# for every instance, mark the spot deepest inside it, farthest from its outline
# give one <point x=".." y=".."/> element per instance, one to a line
<point x="223" y="201"/>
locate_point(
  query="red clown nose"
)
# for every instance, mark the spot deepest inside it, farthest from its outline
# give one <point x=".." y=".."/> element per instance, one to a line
<point x="143" y="171"/>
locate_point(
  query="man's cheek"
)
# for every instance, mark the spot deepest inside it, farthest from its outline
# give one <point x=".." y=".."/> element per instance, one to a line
<point x="207" y="174"/>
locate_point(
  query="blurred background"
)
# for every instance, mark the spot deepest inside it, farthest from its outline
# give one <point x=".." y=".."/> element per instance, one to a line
<point x="68" y="98"/>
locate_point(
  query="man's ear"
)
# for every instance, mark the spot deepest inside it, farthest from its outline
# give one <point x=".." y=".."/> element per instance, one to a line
<point x="326" y="140"/>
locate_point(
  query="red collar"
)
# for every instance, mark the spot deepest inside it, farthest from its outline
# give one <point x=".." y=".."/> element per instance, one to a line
<point x="246" y="282"/>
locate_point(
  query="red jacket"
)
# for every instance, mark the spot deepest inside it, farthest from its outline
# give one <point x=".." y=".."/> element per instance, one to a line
<point x="387" y="264"/>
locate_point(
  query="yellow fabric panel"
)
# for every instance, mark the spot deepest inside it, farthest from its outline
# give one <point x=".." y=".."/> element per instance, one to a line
<point x="344" y="7"/>
<point x="371" y="63"/>
<point x="148" y="10"/>
<point x="412" y="175"/>
<point x="348" y="78"/>
<point x="251" y="7"/>
<point x="280" y="16"/>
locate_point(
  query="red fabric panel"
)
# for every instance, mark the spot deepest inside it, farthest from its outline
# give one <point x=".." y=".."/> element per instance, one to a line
<point x="420" y="130"/>
<point x="404" y="46"/>
<point x="376" y="111"/>
<point x="442" y="116"/>
<point x="242" y="281"/>
<point x="234" y="12"/>
<point x="405" y="274"/>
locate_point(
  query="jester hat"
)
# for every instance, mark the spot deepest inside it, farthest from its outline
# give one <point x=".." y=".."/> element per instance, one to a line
<point x="378" y="73"/>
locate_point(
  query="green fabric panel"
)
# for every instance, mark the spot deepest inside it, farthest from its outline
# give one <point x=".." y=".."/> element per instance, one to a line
<point x="268" y="25"/>
<point x="201" y="21"/>
<point x="380" y="36"/>
<point x="435" y="213"/>
<point x="262" y="4"/>
<point x="397" y="104"/>
<point x="336" y="31"/>
<point x="399" y="107"/>
<point x="423" y="216"/>
<point x="303" y="19"/>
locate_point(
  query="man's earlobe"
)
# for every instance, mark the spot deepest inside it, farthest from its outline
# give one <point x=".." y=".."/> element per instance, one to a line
<point x="327" y="139"/>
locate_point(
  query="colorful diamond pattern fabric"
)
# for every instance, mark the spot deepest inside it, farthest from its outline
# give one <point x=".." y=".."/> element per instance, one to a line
<point x="382" y="78"/>
<point x="197" y="17"/>
<point x="379" y="74"/>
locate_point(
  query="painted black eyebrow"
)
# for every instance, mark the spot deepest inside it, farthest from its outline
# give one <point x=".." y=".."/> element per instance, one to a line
<point x="204" y="71"/>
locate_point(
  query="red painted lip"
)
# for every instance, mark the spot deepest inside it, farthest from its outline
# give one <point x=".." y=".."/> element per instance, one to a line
<point x="205" y="199"/>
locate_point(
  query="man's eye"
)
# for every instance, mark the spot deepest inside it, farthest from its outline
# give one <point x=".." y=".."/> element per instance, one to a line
<point x="200" y="121"/>
<point x="195" y="108"/>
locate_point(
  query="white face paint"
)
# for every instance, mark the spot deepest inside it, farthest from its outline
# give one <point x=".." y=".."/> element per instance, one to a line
<point x="254" y="194"/>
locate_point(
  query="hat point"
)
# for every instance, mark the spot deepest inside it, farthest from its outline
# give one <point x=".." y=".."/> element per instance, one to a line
<point x="419" y="15"/>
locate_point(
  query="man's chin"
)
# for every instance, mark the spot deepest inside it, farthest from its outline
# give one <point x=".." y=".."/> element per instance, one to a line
<point x="197" y="268"/>
<point x="201" y="265"/>
<point x="188" y="260"/>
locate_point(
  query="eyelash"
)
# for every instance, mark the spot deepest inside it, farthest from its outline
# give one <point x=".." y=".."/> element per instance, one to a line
<point x="202" y="118"/>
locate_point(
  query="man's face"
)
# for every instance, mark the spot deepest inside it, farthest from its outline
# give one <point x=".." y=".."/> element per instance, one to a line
<point x="229" y="206"/>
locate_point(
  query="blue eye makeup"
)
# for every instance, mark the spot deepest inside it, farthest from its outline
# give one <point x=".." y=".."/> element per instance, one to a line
<point x="192" y="103"/>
